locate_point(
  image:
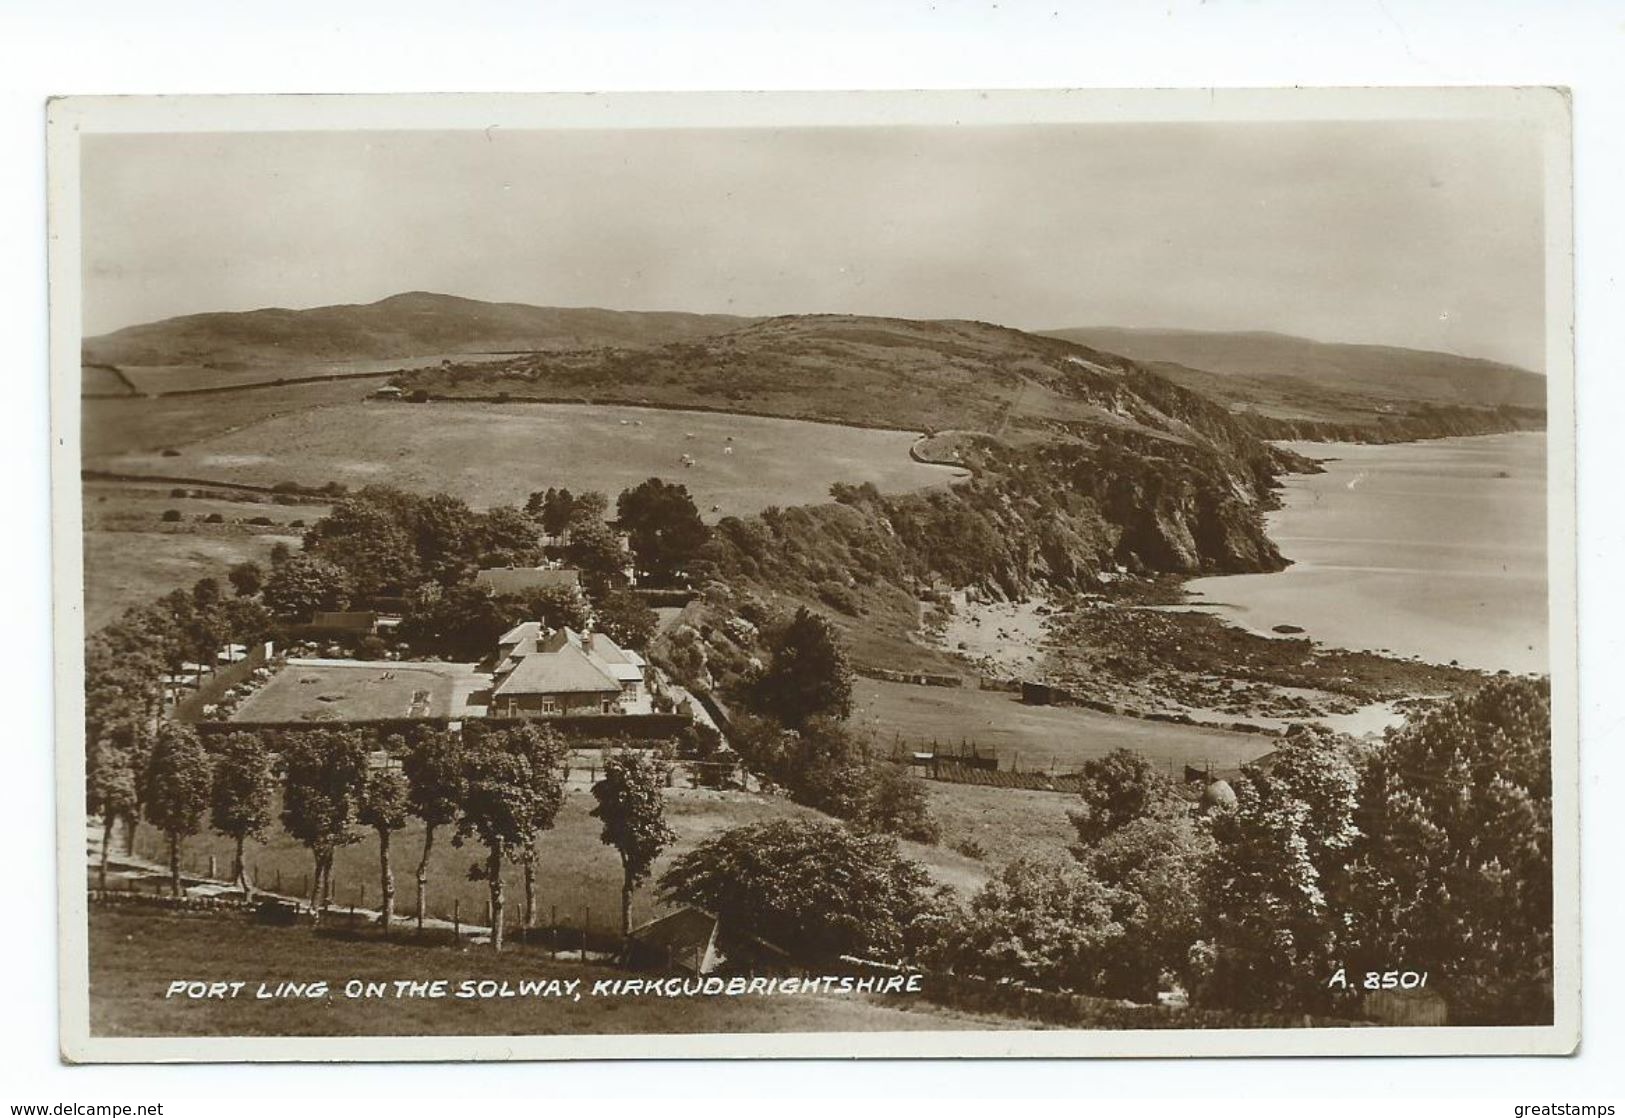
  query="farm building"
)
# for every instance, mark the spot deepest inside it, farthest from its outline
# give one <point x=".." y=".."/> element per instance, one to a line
<point x="527" y="580"/>
<point x="688" y="941"/>
<point x="565" y="672"/>
<point x="682" y="941"/>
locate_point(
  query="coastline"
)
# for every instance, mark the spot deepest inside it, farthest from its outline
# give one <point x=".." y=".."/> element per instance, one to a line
<point x="1256" y="671"/>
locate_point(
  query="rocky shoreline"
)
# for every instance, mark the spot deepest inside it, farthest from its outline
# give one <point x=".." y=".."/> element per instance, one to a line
<point x="1136" y="650"/>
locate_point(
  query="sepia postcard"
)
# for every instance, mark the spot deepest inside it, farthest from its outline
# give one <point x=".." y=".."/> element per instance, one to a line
<point x="1071" y="573"/>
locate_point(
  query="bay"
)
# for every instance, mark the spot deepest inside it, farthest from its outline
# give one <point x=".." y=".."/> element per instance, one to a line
<point x="1430" y="549"/>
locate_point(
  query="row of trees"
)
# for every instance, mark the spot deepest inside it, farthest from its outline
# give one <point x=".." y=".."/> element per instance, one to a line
<point x="500" y="786"/>
<point x="386" y="542"/>
<point x="1429" y="852"/>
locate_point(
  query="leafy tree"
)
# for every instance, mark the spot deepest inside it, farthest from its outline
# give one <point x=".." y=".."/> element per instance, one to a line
<point x="1452" y="871"/>
<point x="383" y="805"/>
<point x="1118" y="789"/>
<point x="280" y="553"/>
<point x="556" y="607"/>
<point x="110" y="792"/>
<point x="897" y="804"/>
<point x="808" y="675"/>
<point x="303" y="584"/>
<point x="629" y="622"/>
<point x="321" y="773"/>
<point x="247" y="578"/>
<point x="1044" y="920"/>
<point x="1272" y="936"/>
<point x="589" y="505"/>
<point x="446" y="533"/>
<point x="435" y="783"/>
<point x="663" y="527"/>
<point x="597" y="552"/>
<point x="547" y="752"/>
<point x="241" y="797"/>
<point x="247" y="621"/>
<point x="814" y="889"/>
<point x="508" y="535"/>
<point x="1154" y="866"/>
<point x="508" y="797"/>
<point x="461" y="623"/>
<point x="176" y="790"/>
<point x="553" y="508"/>
<point x="367" y="539"/>
<point x="634" y="818"/>
<point x="121" y="706"/>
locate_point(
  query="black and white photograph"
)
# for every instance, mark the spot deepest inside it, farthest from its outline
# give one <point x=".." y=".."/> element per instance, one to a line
<point x="815" y="574"/>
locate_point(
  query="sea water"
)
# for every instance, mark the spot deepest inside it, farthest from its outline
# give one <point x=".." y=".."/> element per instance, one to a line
<point x="1431" y="549"/>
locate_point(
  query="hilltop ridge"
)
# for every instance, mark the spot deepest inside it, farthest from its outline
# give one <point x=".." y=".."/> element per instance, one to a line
<point x="409" y="324"/>
<point x="1300" y="378"/>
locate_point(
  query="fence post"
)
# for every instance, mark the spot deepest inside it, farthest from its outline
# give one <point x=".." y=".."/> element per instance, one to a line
<point x="553" y="931"/>
<point x="586" y="923"/>
<point x="456" y="921"/>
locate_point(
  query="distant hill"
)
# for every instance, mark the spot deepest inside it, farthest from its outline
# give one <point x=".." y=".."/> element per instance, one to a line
<point x="1290" y="376"/>
<point x="867" y="371"/>
<point x="409" y="325"/>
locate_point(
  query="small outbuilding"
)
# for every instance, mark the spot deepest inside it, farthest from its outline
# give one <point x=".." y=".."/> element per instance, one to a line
<point x="685" y="940"/>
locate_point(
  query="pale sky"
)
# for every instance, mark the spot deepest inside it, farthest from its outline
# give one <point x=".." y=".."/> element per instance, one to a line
<point x="1415" y="234"/>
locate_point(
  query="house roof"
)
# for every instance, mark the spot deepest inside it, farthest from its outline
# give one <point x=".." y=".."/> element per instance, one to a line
<point x="683" y="930"/>
<point x="566" y="671"/>
<point x="609" y="656"/>
<point x="524" y="631"/>
<point x="522" y="580"/>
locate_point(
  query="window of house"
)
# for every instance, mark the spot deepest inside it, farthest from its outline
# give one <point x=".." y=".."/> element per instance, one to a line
<point x="549" y="705"/>
<point x="606" y="705"/>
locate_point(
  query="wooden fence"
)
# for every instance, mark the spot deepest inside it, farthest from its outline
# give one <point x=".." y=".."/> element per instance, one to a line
<point x="214" y="685"/>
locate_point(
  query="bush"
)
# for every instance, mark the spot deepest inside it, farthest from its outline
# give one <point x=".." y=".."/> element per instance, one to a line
<point x="214" y="518"/>
<point x="838" y="596"/>
<point x="816" y="890"/>
<point x="171" y="516"/>
<point x="260" y="520"/>
<point x="179" y="493"/>
<point x="898" y="805"/>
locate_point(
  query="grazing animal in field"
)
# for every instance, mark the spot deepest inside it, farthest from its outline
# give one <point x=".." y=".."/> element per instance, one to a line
<point x="728" y="450"/>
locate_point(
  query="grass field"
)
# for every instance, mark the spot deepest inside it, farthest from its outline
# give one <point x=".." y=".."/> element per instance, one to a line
<point x="1036" y="737"/>
<point x="119" y="506"/>
<point x="131" y="568"/>
<point x="577" y="872"/>
<point x="136" y="424"/>
<point x="1007" y="823"/>
<point x="136" y="954"/>
<point x="300" y="693"/>
<point x="179" y="378"/>
<point x="492" y="454"/>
